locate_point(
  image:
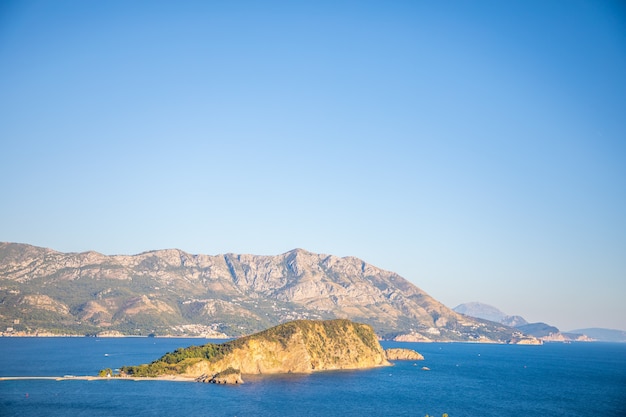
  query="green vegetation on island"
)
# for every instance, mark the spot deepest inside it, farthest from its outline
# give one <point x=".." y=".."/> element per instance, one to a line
<point x="299" y="346"/>
<point x="178" y="361"/>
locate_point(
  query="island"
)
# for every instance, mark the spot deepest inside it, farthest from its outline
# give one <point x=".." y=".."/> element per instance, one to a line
<point x="301" y="346"/>
<point x="402" y="354"/>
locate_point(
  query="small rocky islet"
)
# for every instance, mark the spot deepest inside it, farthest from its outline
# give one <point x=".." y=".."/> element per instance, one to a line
<point x="301" y="346"/>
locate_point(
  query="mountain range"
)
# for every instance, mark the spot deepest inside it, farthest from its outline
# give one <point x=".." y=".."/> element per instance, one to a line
<point x="172" y="292"/>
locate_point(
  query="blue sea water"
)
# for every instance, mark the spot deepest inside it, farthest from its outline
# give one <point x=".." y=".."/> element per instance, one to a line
<point x="578" y="379"/>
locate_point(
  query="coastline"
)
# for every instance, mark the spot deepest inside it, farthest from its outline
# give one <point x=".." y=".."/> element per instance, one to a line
<point x="46" y="335"/>
<point x="174" y="378"/>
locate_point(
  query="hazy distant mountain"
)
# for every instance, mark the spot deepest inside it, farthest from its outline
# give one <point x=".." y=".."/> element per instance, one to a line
<point x="542" y="331"/>
<point x="488" y="312"/>
<point x="603" y="335"/>
<point x="539" y="329"/>
<point x="174" y="292"/>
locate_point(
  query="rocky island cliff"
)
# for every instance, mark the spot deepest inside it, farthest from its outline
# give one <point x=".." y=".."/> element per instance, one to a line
<point x="401" y="354"/>
<point x="301" y="346"/>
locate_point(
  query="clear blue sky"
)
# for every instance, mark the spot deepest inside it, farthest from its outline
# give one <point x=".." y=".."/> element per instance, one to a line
<point x="477" y="148"/>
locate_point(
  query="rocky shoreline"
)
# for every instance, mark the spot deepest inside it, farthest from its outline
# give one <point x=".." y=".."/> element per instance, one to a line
<point x="176" y="378"/>
<point x="401" y="354"/>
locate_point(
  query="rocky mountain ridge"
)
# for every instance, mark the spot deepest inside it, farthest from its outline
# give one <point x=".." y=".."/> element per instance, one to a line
<point x="172" y="292"/>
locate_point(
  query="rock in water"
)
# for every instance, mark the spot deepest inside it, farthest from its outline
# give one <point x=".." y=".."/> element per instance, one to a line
<point x="228" y="376"/>
<point x="399" y="354"/>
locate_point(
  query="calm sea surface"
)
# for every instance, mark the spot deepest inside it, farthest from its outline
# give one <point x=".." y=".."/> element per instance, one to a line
<point x="578" y="379"/>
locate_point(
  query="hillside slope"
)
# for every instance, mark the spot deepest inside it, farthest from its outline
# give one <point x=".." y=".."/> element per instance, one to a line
<point x="176" y="293"/>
